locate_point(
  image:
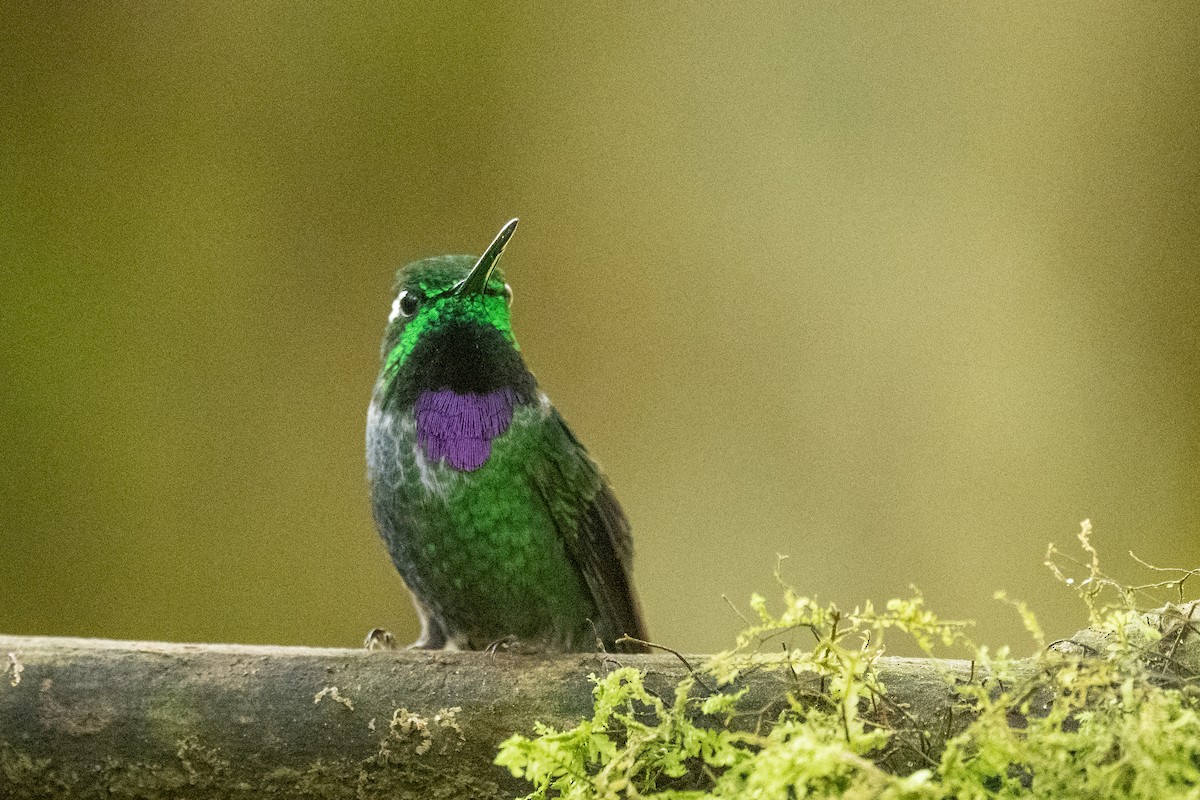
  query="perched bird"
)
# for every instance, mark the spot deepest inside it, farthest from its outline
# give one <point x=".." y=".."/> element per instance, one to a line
<point x="498" y="520"/>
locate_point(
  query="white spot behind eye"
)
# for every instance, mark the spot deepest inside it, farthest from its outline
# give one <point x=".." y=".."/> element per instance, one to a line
<point x="395" y="308"/>
<point x="508" y="294"/>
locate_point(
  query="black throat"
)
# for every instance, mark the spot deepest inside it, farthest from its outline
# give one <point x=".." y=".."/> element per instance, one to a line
<point x="466" y="358"/>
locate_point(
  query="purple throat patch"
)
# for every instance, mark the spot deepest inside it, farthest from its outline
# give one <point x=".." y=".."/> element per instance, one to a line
<point x="460" y="427"/>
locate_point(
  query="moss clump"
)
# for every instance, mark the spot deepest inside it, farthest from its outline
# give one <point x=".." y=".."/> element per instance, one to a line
<point x="1112" y="713"/>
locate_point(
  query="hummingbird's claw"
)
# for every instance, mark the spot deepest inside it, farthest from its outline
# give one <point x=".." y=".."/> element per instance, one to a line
<point x="380" y="639"/>
<point x="514" y="646"/>
<point x="503" y="643"/>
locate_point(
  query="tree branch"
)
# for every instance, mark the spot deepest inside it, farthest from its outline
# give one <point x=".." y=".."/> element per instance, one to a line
<point x="92" y="718"/>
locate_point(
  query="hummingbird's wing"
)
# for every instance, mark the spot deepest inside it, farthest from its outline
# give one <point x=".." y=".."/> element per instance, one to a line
<point x="596" y="535"/>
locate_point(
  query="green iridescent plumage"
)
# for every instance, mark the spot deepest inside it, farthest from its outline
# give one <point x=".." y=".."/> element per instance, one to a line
<point x="496" y="517"/>
<point x="433" y="278"/>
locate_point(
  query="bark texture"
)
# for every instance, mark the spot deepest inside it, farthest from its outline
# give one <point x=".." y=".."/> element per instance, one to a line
<point x="95" y="718"/>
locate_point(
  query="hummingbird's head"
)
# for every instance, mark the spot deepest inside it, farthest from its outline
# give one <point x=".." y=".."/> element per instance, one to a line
<point x="449" y="330"/>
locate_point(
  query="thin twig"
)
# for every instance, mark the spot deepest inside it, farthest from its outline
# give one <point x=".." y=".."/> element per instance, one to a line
<point x="741" y="616"/>
<point x="691" y="670"/>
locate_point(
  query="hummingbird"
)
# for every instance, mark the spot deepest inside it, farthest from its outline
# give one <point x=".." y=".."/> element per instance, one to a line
<point x="501" y="524"/>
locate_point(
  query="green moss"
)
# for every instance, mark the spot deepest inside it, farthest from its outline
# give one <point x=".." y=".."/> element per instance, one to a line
<point x="19" y="768"/>
<point x="1114" y="713"/>
<point x="171" y="717"/>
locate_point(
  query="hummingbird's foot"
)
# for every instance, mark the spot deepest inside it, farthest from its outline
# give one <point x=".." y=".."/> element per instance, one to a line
<point x="380" y="639"/>
<point x="511" y="644"/>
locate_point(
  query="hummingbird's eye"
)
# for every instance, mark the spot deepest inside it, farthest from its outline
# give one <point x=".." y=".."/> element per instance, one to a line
<point x="409" y="303"/>
<point x="406" y="305"/>
<point x="508" y="294"/>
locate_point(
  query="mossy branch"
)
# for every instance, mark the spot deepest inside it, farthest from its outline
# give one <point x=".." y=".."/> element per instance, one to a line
<point x="84" y="717"/>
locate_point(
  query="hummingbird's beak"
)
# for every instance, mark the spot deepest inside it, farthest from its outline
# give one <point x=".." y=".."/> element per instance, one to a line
<point x="476" y="281"/>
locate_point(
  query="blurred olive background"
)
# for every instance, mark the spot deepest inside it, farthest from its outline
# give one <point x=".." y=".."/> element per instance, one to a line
<point x="901" y="291"/>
